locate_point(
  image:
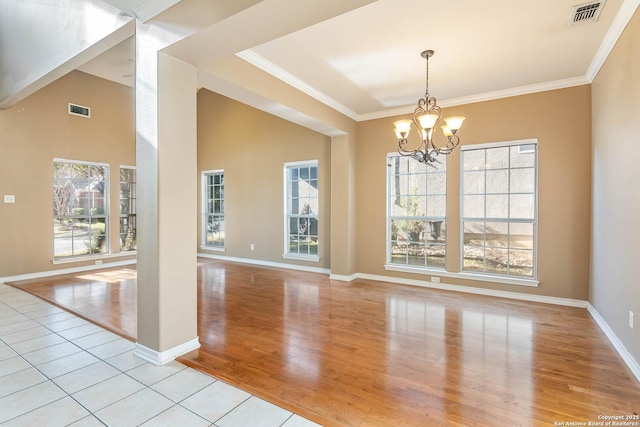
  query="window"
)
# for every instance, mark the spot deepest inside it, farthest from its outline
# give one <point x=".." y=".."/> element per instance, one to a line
<point x="499" y="185"/>
<point x="301" y="210"/>
<point x="80" y="211"/>
<point x="416" y="212"/>
<point x="213" y="209"/>
<point x="127" y="209"/>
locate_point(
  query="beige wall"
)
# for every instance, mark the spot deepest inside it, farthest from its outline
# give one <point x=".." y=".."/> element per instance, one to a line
<point x="561" y="121"/>
<point x="615" y="243"/>
<point x="35" y="131"/>
<point x="252" y="147"/>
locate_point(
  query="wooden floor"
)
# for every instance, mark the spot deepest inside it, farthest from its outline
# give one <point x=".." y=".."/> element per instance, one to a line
<point x="379" y="354"/>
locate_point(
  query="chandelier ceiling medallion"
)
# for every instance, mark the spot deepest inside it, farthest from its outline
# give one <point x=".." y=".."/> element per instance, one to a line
<point x="426" y="118"/>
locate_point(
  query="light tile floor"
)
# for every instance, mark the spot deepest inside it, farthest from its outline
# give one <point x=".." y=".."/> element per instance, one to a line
<point x="57" y="369"/>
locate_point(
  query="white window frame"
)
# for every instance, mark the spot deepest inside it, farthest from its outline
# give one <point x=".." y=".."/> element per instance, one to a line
<point x="409" y="267"/>
<point x="493" y="276"/>
<point x="204" y="212"/>
<point x="107" y="217"/>
<point x="120" y="214"/>
<point x="286" y="254"/>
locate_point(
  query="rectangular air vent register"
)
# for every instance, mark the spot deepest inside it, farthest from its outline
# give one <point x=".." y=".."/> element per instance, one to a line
<point x="79" y="110"/>
<point x="586" y="13"/>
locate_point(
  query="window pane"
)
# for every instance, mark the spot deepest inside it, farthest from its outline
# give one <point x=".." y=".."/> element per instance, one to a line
<point x="521" y="262"/>
<point x="436" y="256"/>
<point x="497" y="234"/>
<point x="521" y="235"/>
<point x="496" y="260"/>
<point x="522" y="206"/>
<point x="497" y="206"/>
<point x="436" y="183"/>
<point x="497" y="181"/>
<point x="417" y="205"/>
<point x="416" y="255"/>
<point x="473" y="233"/>
<point x="436" y="231"/>
<point x="399" y="230"/>
<point x="473" y="258"/>
<point x="474" y="160"/>
<point x="474" y="182"/>
<point x="523" y="156"/>
<point x="501" y="245"/>
<point x="473" y="206"/>
<point x="437" y="206"/>
<point x="416" y="230"/>
<point x="497" y="158"/>
<point x="523" y="180"/>
<point x="399" y="253"/>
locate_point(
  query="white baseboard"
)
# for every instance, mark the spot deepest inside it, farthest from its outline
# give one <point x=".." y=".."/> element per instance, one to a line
<point x="343" y="278"/>
<point x="628" y="358"/>
<point x="62" y="271"/>
<point x="478" y="291"/>
<point x="164" y="357"/>
<point x="266" y="263"/>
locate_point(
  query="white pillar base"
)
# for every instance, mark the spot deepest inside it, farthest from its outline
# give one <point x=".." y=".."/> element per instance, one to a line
<point x="163" y="357"/>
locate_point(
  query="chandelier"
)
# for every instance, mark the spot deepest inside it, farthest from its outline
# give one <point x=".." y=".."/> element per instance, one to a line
<point x="426" y="118"/>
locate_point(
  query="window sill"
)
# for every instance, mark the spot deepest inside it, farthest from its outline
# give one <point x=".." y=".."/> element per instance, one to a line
<point x="463" y="275"/>
<point x="310" y="258"/>
<point x="85" y="258"/>
<point x="213" y="248"/>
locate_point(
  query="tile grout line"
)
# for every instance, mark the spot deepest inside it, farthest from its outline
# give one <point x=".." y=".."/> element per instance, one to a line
<point x="81" y="349"/>
<point x="51" y="380"/>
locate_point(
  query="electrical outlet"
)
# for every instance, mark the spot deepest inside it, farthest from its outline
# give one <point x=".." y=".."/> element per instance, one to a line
<point x="631" y="319"/>
<point x="98" y="262"/>
<point x="435" y="279"/>
<point x="9" y="198"/>
<point x="252" y="247"/>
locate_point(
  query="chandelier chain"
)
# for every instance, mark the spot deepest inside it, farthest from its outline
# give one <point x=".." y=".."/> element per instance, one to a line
<point x="426" y="93"/>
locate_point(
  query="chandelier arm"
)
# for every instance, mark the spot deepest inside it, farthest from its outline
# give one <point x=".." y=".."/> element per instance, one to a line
<point x="452" y="143"/>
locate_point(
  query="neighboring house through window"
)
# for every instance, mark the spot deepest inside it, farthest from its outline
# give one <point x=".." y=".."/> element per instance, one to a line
<point x="301" y="210"/>
<point x="80" y="208"/>
<point x="127" y="208"/>
<point x="499" y="213"/>
<point x="416" y="212"/>
<point x="213" y="226"/>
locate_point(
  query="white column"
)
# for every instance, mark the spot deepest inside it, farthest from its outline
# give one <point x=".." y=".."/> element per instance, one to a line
<point x="343" y="227"/>
<point x="167" y="199"/>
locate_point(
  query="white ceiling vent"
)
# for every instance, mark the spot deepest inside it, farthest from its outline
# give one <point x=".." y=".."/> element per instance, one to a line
<point x="79" y="110"/>
<point x="586" y="13"/>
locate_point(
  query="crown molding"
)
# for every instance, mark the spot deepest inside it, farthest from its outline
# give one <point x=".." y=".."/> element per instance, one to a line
<point x="269" y="67"/>
<point x="618" y="25"/>
<point x="622" y="18"/>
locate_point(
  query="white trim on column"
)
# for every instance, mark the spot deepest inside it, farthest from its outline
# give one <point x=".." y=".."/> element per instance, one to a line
<point x="628" y="358"/>
<point x="163" y="357"/>
<point x="343" y="278"/>
<point x="72" y="270"/>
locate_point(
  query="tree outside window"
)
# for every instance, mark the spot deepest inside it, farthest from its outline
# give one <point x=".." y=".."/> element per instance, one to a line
<point x="416" y="217"/>
<point x="79" y="208"/>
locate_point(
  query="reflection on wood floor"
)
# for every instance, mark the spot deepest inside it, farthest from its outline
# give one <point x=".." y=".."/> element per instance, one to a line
<point x="373" y="353"/>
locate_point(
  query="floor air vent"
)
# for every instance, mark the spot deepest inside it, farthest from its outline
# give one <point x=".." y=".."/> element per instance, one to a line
<point x="79" y="110"/>
<point x="586" y="13"/>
